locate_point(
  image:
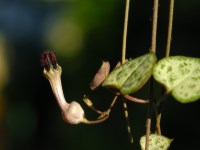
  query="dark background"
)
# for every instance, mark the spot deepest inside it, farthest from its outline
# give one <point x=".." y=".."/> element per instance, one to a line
<point x="83" y="33"/>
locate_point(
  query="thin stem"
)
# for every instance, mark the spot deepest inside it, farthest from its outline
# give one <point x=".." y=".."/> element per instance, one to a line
<point x="107" y="112"/>
<point x="94" y="121"/>
<point x="89" y="103"/>
<point x="123" y="61"/>
<point x="112" y="103"/>
<point x="96" y="110"/>
<point x="127" y="120"/>
<point x="154" y="26"/>
<point x="153" y="49"/>
<point x="136" y="100"/>
<point x="158" y="118"/>
<point x="158" y="109"/>
<point x="125" y="31"/>
<point x="169" y="34"/>
<point x="148" y="126"/>
<point x="149" y="113"/>
<point x="162" y="99"/>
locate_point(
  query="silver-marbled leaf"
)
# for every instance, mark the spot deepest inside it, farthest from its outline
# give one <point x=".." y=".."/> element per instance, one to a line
<point x="132" y="75"/>
<point x="156" y="142"/>
<point x="181" y="76"/>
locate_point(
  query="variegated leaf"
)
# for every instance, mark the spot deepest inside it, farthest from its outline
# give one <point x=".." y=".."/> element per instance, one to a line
<point x="156" y="142"/>
<point x="181" y="76"/>
<point x="132" y="75"/>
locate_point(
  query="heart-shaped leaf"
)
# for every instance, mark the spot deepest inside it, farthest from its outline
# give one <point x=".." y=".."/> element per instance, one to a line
<point x="156" y="142"/>
<point x="181" y="76"/>
<point x="132" y="75"/>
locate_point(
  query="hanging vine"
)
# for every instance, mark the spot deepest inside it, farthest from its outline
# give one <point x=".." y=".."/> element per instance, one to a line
<point x="179" y="76"/>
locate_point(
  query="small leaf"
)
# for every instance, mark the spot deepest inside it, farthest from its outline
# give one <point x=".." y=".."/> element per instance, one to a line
<point x="132" y="75"/>
<point x="100" y="75"/>
<point x="181" y="76"/>
<point x="156" y="142"/>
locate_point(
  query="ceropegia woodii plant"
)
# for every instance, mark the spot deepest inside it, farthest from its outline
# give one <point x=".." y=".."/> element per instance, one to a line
<point x="180" y="76"/>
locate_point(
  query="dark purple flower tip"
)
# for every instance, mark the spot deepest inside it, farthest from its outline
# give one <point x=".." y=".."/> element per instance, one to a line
<point x="48" y="59"/>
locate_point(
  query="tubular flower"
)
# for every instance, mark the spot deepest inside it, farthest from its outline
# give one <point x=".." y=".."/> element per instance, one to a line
<point x="71" y="112"/>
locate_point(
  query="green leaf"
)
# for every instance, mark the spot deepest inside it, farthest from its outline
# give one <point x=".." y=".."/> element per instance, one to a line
<point x="132" y="75"/>
<point x="181" y="76"/>
<point x="156" y="142"/>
